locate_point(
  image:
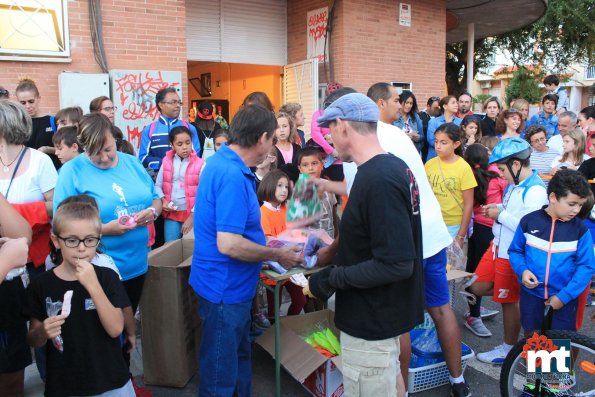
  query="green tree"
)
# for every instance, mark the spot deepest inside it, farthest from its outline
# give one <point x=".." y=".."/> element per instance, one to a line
<point x="456" y="62"/>
<point x="564" y="35"/>
<point x="524" y="84"/>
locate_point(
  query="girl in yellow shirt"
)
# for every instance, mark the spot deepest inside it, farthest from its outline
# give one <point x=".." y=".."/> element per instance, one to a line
<point x="452" y="181"/>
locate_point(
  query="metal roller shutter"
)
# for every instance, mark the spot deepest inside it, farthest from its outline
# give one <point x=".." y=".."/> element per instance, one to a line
<point x="236" y="31"/>
<point x="203" y="30"/>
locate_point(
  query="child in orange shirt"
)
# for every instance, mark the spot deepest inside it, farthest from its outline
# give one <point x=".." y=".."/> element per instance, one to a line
<point x="274" y="191"/>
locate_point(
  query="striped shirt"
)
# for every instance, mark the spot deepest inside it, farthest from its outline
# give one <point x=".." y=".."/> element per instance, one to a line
<point x="542" y="161"/>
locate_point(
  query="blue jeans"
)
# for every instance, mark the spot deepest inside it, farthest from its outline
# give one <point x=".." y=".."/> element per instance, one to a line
<point x="172" y="230"/>
<point x="225" y="349"/>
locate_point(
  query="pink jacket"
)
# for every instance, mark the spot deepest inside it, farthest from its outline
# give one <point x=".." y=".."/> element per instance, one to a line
<point x="190" y="179"/>
<point x="319" y="133"/>
<point x="494" y="195"/>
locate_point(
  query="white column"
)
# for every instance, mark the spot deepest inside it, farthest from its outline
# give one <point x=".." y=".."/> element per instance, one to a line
<point x="470" y="54"/>
<point x="575" y="98"/>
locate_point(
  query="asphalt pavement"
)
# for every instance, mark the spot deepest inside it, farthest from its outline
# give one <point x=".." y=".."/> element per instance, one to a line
<point x="482" y="378"/>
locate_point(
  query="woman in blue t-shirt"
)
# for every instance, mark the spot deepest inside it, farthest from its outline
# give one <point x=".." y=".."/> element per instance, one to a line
<point x="126" y="196"/>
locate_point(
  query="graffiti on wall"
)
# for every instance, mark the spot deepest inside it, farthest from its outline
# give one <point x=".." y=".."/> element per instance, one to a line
<point x="316" y="21"/>
<point x="133" y="92"/>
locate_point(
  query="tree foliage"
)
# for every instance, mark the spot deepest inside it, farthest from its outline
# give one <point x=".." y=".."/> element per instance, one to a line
<point x="564" y="35"/>
<point x="456" y="62"/>
<point x="524" y="84"/>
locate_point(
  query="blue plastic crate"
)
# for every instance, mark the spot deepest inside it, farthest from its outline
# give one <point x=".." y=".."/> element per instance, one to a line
<point x="428" y="369"/>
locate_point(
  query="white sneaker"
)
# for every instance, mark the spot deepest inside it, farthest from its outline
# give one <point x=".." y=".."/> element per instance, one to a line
<point x="476" y="326"/>
<point x="486" y="313"/>
<point x="495" y="356"/>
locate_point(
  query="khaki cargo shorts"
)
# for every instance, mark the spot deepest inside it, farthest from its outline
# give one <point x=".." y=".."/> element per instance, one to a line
<point x="370" y="368"/>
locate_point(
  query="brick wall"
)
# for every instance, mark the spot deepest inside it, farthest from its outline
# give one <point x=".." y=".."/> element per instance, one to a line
<point x="149" y="35"/>
<point x="368" y="44"/>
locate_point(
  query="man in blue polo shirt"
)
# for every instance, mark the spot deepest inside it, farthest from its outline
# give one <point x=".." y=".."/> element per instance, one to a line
<point x="228" y="251"/>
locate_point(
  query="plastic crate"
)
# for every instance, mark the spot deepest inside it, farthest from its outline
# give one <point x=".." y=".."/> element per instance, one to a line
<point x="432" y="375"/>
<point x="421" y="358"/>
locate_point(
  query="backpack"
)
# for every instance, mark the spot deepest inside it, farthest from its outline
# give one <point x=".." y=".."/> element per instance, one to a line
<point x="533" y="180"/>
<point x="53" y="124"/>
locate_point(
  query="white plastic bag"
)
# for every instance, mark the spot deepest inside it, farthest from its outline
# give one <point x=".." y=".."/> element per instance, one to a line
<point x="456" y="257"/>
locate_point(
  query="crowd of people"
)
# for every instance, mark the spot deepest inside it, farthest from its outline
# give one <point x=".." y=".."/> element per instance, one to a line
<point x="399" y="187"/>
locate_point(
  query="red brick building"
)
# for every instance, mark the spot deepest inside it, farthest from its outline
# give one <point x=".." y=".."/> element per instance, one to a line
<point x="229" y="48"/>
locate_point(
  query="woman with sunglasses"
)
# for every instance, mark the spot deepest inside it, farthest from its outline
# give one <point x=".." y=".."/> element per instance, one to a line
<point x="42" y="131"/>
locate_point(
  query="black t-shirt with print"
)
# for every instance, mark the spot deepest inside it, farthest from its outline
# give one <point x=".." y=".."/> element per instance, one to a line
<point x="382" y="222"/>
<point x="92" y="361"/>
<point x="42" y="135"/>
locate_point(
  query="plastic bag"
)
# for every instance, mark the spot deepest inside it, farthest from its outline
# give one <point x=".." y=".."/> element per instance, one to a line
<point x="456" y="257"/>
<point x="427" y="342"/>
<point x="304" y="207"/>
<point x="309" y="241"/>
<point x="54" y="309"/>
<point x="325" y="342"/>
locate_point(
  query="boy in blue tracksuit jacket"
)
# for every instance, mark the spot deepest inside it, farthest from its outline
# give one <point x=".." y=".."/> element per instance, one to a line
<point x="154" y="141"/>
<point x="552" y="255"/>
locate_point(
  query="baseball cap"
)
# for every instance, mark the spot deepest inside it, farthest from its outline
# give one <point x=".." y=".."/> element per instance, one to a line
<point x="350" y="107"/>
<point x="205" y="110"/>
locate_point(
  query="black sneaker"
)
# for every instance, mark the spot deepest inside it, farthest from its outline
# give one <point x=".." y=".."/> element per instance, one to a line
<point x="460" y="390"/>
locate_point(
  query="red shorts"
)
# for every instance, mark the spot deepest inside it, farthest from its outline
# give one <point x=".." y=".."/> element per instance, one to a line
<point x="499" y="272"/>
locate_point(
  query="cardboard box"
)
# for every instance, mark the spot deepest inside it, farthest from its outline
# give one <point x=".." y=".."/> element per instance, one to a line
<point x="319" y="375"/>
<point x="169" y="317"/>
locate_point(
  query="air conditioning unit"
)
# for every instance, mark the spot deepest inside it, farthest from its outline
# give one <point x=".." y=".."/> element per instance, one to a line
<point x="485" y="84"/>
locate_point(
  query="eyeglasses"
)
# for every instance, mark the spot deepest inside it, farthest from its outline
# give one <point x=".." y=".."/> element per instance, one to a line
<point x="174" y="103"/>
<point x="110" y="109"/>
<point x="73" y="242"/>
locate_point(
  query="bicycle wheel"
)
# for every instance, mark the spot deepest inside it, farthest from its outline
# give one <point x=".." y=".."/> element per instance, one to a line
<point x="579" y="383"/>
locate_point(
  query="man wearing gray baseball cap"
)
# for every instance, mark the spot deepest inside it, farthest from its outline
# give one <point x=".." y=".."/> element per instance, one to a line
<point x="378" y="277"/>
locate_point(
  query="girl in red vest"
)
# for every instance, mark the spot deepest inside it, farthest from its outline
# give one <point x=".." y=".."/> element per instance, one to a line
<point x="177" y="182"/>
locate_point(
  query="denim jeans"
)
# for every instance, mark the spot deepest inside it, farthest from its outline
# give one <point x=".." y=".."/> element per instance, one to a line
<point x="225" y="350"/>
<point x="172" y="230"/>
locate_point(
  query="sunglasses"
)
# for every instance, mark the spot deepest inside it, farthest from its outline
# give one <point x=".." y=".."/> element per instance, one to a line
<point x="4" y="93"/>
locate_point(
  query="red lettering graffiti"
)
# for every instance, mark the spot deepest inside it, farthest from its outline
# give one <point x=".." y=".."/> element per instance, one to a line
<point x="134" y="135"/>
<point x="137" y="94"/>
<point x="317" y="33"/>
<point x="318" y="19"/>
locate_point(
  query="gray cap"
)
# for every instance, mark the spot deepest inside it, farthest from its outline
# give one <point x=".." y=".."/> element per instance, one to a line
<point x="350" y="107"/>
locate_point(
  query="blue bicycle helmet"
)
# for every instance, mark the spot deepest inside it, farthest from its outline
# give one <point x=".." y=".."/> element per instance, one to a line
<point x="508" y="150"/>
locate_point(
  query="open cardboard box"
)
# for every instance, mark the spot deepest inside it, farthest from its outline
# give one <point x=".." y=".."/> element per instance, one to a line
<point x="171" y="327"/>
<point x="318" y="374"/>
